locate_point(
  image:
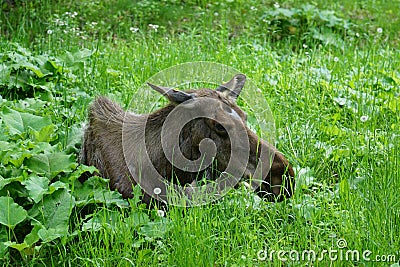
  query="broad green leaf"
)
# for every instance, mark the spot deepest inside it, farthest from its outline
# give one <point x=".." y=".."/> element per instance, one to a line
<point x="19" y="247"/>
<point x="82" y="55"/>
<point x="6" y="181"/>
<point x="52" y="66"/>
<point x="30" y="105"/>
<point x="18" y="157"/>
<point x="75" y="61"/>
<point x="37" y="187"/>
<point x="110" y="197"/>
<point x="33" y="236"/>
<point x="54" y="211"/>
<point x="137" y="218"/>
<point x="57" y="185"/>
<point x="19" y="122"/>
<point x="34" y="69"/>
<point x="81" y="169"/>
<point x="104" y="219"/>
<point x="155" y="229"/>
<point x="84" y="192"/>
<point x="46" y="134"/>
<point x="71" y="139"/>
<point x="5" y="72"/>
<point x="304" y="177"/>
<point x="51" y="164"/>
<point x="11" y="213"/>
<point x="47" y="235"/>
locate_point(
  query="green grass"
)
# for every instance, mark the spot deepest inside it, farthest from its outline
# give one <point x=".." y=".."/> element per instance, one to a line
<point x="336" y="108"/>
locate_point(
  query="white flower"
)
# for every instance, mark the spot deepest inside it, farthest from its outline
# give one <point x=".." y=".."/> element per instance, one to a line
<point x="253" y="8"/>
<point x="364" y="118"/>
<point x="336" y="59"/>
<point x="216" y="14"/>
<point x="305" y="46"/>
<point x="357" y="34"/>
<point x="276" y="5"/>
<point x="133" y="29"/>
<point x="154" y="26"/>
<point x="160" y="213"/>
<point x="379" y="30"/>
<point x="49" y="32"/>
<point x="157" y="190"/>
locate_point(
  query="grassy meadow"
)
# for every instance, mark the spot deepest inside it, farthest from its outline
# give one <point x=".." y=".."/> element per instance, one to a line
<point x="329" y="70"/>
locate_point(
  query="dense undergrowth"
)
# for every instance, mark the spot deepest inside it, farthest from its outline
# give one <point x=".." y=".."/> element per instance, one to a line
<point x="329" y="71"/>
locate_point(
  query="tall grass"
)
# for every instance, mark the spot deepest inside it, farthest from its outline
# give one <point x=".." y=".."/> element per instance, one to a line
<point x="337" y="116"/>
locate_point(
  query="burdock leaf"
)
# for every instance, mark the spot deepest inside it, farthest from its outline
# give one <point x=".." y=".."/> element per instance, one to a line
<point x="11" y="213"/>
<point x="37" y="187"/>
<point x="56" y="209"/>
<point x="19" y="122"/>
<point x="51" y="164"/>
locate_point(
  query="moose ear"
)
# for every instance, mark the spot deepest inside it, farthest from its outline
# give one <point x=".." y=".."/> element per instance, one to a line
<point x="174" y="96"/>
<point x="233" y="88"/>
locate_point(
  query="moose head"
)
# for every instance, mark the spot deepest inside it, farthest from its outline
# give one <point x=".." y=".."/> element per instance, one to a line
<point x="199" y="137"/>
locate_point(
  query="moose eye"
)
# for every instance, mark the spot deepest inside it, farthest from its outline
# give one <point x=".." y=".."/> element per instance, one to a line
<point x="219" y="128"/>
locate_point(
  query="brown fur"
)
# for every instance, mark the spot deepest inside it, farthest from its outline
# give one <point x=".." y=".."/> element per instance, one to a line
<point x="103" y="147"/>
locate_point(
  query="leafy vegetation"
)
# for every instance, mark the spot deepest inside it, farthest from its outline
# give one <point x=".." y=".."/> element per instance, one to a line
<point x="330" y="72"/>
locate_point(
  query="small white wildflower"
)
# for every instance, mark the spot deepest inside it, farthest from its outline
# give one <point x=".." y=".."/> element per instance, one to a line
<point x="154" y="26"/>
<point x="305" y="46"/>
<point x="49" y="32"/>
<point x="341" y="101"/>
<point x="133" y="29"/>
<point x="160" y="213"/>
<point x="216" y="14"/>
<point x="336" y="59"/>
<point x="357" y="34"/>
<point x="276" y="5"/>
<point x="157" y="190"/>
<point x="253" y="8"/>
<point x="94" y="23"/>
<point x="379" y="30"/>
<point x="364" y="118"/>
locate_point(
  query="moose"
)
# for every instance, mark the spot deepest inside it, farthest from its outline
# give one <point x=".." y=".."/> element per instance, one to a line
<point x="204" y="129"/>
